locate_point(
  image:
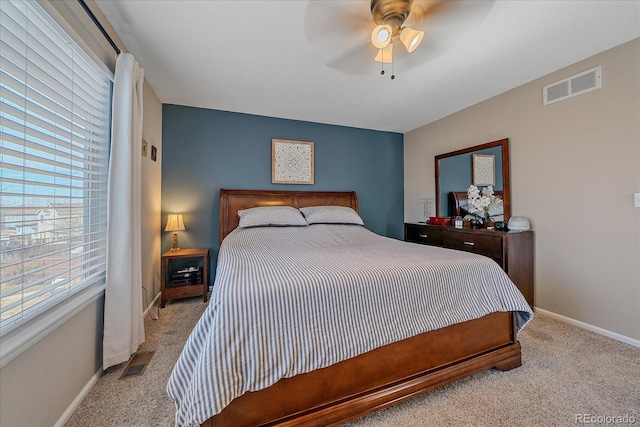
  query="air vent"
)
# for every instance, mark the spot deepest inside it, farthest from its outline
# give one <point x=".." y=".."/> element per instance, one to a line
<point x="575" y="85"/>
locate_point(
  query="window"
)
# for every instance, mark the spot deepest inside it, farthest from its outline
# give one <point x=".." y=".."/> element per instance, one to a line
<point x="55" y="107"/>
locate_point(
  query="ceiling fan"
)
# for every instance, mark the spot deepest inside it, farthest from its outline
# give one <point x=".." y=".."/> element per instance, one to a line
<point x="355" y="37"/>
<point x="390" y="15"/>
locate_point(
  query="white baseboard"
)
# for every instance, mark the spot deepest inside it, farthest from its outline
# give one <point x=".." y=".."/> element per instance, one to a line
<point x="76" y="402"/>
<point x="616" y="336"/>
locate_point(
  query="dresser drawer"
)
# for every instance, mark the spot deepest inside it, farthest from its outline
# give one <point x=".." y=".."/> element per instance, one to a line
<point x="427" y="235"/>
<point x="482" y="244"/>
<point x="512" y="251"/>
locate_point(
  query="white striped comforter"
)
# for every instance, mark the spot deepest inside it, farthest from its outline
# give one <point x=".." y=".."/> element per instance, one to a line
<point x="288" y="300"/>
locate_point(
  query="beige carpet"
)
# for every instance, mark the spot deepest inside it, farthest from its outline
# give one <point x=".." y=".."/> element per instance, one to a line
<point x="566" y="372"/>
<point x="142" y="400"/>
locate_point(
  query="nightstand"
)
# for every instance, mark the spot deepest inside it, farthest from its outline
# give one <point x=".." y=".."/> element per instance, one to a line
<point x="190" y="279"/>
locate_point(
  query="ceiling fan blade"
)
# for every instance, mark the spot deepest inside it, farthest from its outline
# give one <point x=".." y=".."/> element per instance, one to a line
<point x="444" y="23"/>
<point x="339" y="34"/>
<point x="447" y="13"/>
<point x="421" y="8"/>
<point x="330" y="21"/>
<point x="358" y="60"/>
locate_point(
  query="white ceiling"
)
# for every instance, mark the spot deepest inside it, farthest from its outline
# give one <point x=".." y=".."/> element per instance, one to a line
<point x="271" y="58"/>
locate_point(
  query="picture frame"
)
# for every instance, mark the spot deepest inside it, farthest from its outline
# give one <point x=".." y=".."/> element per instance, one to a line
<point x="483" y="168"/>
<point x="154" y="153"/>
<point x="292" y="162"/>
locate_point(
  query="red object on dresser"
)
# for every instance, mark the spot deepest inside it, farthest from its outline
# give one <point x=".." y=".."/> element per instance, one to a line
<point x="440" y="220"/>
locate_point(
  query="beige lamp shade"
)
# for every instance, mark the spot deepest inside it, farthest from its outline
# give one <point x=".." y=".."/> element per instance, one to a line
<point x="175" y="223"/>
<point x="385" y="55"/>
<point x="411" y="38"/>
<point x="381" y="36"/>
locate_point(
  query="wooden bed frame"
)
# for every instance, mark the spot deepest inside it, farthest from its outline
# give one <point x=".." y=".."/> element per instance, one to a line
<point x="231" y="201"/>
<point x="378" y="378"/>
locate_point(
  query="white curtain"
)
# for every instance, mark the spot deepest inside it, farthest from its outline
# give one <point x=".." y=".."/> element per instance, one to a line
<point x="123" y="315"/>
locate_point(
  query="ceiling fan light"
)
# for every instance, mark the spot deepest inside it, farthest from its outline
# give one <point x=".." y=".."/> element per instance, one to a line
<point x="385" y="55"/>
<point x="381" y="36"/>
<point x="411" y="38"/>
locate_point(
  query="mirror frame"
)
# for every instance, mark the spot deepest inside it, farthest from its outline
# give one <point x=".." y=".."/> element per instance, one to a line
<point x="506" y="190"/>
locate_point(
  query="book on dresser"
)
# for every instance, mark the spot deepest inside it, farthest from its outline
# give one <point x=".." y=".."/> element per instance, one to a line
<point x="513" y="251"/>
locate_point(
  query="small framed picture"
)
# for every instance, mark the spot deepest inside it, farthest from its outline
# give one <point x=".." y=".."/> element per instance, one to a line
<point x="154" y="153"/>
<point x="291" y="162"/>
<point x="483" y="169"/>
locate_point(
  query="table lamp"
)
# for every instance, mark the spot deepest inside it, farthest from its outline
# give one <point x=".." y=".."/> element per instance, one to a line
<point x="175" y="224"/>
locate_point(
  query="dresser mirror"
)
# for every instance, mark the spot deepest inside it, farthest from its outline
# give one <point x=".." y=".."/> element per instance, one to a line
<point x="454" y="174"/>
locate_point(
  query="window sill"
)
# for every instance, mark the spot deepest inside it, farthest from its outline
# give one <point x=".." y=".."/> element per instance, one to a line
<point x="21" y="339"/>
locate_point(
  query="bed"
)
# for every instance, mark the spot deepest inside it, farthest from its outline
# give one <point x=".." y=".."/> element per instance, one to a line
<point x="362" y="369"/>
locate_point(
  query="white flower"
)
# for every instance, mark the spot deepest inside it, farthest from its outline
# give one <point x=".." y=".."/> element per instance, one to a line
<point x="481" y="202"/>
<point x="488" y="190"/>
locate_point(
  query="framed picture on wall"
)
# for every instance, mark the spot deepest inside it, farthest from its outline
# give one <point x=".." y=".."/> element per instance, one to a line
<point x="483" y="169"/>
<point x="292" y="162"/>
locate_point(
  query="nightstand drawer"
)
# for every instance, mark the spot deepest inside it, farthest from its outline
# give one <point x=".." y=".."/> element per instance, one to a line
<point x="482" y="244"/>
<point x="427" y="235"/>
<point x="184" y="291"/>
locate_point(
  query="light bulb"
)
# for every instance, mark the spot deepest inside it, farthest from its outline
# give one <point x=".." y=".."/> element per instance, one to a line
<point x="381" y="36"/>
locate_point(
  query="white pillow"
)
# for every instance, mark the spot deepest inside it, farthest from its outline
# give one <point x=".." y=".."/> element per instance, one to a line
<point x="496" y="213"/>
<point x="271" y="215"/>
<point x="331" y="215"/>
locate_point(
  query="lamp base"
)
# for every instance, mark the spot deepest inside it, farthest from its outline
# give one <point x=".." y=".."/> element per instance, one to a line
<point x="175" y="247"/>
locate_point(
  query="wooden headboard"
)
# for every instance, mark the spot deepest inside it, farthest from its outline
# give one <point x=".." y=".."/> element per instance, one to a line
<point x="459" y="199"/>
<point x="231" y="201"/>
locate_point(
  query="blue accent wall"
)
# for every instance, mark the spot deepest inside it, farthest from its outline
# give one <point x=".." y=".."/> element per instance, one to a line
<point x="205" y="150"/>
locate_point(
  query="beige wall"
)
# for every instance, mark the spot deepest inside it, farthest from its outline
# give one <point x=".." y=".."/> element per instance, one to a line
<point x="151" y="194"/>
<point x="38" y="386"/>
<point x="575" y="165"/>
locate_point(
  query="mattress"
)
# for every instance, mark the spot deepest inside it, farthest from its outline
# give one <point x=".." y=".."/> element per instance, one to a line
<point x="289" y="300"/>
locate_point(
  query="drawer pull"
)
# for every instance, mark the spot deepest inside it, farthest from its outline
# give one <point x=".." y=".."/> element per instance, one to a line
<point x="469" y="243"/>
<point x="424" y="236"/>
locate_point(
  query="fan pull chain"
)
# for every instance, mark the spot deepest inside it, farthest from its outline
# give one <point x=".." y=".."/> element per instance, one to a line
<point x="393" y="76"/>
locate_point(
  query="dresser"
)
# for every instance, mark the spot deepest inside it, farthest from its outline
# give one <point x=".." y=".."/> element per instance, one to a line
<point x="513" y="251"/>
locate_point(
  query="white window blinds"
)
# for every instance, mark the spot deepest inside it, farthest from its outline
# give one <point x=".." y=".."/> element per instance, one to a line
<point x="54" y="146"/>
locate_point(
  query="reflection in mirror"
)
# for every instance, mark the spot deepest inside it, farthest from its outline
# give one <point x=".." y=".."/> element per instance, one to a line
<point x="454" y="175"/>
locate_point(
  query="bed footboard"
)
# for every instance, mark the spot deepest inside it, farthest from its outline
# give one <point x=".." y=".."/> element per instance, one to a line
<point x="381" y="377"/>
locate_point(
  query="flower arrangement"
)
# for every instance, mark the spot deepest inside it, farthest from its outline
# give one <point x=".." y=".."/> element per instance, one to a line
<point x="481" y="202"/>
